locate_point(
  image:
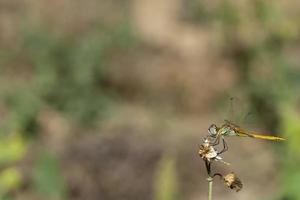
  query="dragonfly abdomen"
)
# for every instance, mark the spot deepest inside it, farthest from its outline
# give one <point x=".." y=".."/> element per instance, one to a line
<point x="259" y="136"/>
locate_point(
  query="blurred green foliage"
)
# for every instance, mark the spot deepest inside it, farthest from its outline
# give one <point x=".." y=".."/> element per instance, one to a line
<point x="13" y="149"/>
<point x="48" y="179"/>
<point x="22" y="106"/>
<point x="69" y="73"/>
<point x="291" y="174"/>
<point x="196" y="11"/>
<point x="10" y="179"/>
<point x="166" y="183"/>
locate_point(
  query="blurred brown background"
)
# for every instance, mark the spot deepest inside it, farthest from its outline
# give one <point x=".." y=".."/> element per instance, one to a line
<point x="110" y="99"/>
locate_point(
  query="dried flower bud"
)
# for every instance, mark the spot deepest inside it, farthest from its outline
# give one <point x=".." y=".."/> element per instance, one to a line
<point x="233" y="182"/>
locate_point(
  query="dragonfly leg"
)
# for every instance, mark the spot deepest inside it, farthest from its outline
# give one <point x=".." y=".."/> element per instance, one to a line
<point x="216" y="142"/>
<point x="225" y="147"/>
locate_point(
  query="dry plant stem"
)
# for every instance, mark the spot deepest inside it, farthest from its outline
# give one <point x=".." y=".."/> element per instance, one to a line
<point x="209" y="179"/>
<point x="210" y="184"/>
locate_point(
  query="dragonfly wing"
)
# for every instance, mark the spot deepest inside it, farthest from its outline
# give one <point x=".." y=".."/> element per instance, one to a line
<point x="230" y="123"/>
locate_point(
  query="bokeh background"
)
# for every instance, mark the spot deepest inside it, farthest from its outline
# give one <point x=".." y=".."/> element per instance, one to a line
<point x="110" y="99"/>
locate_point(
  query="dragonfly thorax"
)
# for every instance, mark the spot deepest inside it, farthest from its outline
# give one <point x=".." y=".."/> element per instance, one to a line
<point x="227" y="130"/>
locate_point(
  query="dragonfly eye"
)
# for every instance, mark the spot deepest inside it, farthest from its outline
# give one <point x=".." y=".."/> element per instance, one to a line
<point x="212" y="130"/>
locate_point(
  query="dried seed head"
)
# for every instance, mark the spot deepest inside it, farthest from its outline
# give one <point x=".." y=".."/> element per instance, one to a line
<point x="233" y="182"/>
<point x="208" y="153"/>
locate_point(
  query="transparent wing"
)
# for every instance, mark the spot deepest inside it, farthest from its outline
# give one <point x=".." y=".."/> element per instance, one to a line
<point x="239" y="111"/>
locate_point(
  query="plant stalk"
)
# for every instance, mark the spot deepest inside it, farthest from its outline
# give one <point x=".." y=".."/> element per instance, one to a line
<point x="210" y="184"/>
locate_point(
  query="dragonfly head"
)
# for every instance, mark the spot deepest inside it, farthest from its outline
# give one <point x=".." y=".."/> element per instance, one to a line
<point x="213" y="130"/>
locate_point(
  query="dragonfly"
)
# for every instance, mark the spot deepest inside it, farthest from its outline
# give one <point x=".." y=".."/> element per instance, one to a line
<point x="231" y="129"/>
